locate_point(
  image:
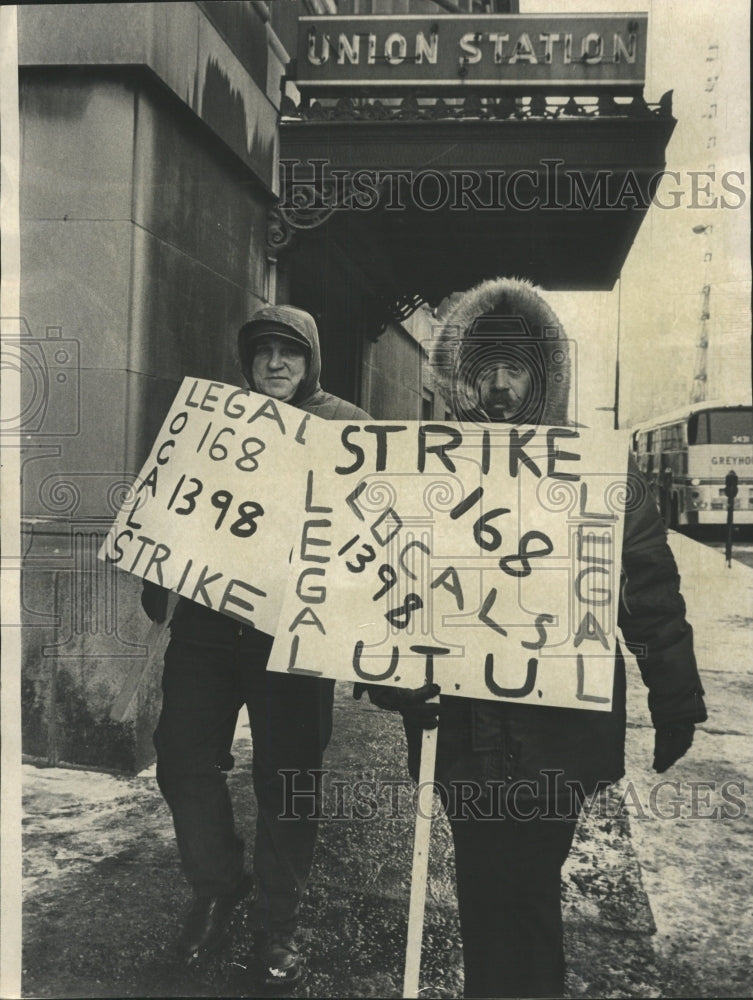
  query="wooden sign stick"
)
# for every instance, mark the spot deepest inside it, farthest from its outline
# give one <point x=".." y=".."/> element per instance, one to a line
<point x="420" y="871"/>
<point x="141" y="668"/>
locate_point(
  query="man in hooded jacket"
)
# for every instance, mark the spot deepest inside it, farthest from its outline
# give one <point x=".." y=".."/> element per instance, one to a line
<point x="513" y="776"/>
<point x="214" y="665"/>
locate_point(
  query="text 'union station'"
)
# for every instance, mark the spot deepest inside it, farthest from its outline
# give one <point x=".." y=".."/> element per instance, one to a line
<point x="549" y="48"/>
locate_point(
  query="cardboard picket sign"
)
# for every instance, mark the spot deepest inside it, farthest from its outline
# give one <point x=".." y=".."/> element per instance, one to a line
<point x="486" y="558"/>
<point x="218" y="501"/>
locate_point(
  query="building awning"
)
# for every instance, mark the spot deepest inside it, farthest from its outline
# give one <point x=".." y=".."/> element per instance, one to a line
<point x="424" y="198"/>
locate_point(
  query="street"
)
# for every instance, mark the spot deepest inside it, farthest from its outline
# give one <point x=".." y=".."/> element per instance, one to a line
<point x="742" y="541"/>
<point x="656" y="890"/>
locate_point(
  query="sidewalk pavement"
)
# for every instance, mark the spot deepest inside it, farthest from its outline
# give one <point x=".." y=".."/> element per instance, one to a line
<point x="104" y="893"/>
<point x="696" y="865"/>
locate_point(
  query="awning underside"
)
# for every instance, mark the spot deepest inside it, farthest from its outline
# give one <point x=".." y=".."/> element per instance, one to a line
<point x="415" y="209"/>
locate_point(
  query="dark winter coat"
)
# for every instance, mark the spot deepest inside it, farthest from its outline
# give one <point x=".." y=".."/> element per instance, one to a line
<point x="508" y="742"/>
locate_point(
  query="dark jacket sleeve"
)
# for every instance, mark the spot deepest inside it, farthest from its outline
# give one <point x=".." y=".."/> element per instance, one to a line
<point x="652" y="612"/>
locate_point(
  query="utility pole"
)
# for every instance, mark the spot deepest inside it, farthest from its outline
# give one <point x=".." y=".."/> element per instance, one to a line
<point x="699" y="388"/>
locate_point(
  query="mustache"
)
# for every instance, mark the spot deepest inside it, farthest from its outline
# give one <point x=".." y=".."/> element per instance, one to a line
<point x="501" y="395"/>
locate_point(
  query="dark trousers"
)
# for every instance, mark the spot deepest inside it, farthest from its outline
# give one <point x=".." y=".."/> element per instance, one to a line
<point x="508" y="875"/>
<point x="204" y="687"/>
<point x="508" y="882"/>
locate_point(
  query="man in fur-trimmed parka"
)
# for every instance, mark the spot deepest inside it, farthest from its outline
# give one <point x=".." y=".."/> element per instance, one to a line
<point x="503" y="356"/>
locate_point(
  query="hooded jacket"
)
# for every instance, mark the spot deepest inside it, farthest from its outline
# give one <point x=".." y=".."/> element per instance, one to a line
<point x="548" y="752"/>
<point x="504" y="318"/>
<point x="194" y="621"/>
<point x="299" y="326"/>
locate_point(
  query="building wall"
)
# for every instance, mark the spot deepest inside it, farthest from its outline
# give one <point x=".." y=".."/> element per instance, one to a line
<point x="149" y="163"/>
<point x="391" y="376"/>
<point x="397" y="381"/>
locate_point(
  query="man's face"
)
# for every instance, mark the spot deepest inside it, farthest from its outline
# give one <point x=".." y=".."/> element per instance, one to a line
<point x="278" y="366"/>
<point x="504" y="388"/>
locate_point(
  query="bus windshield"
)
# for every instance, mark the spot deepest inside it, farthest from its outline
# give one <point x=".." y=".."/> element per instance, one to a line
<point x="721" y="427"/>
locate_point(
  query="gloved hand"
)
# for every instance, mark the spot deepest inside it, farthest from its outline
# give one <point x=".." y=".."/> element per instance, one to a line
<point x="154" y="600"/>
<point x="672" y="741"/>
<point x="412" y="703"/>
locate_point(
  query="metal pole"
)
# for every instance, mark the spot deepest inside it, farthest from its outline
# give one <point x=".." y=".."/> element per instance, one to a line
<point x="730" y="528"/>
<point x="730" y="489"/>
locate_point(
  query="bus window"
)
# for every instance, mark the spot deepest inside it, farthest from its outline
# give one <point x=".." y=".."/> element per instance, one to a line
<point x="730" y="426"/>
<point x="698" y="429"/>
<point x="671" y="437"/>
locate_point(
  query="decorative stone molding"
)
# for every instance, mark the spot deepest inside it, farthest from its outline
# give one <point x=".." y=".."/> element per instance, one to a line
<point x="475" y="105"/>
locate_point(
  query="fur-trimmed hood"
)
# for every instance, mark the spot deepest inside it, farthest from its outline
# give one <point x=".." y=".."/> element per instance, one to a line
<point x="504" y="317"/>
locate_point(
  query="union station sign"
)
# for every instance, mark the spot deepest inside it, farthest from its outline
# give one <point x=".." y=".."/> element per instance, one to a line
<point x="572" y="52"/>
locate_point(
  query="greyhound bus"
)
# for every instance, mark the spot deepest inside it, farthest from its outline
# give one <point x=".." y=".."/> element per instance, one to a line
<point x="686" y="456"/>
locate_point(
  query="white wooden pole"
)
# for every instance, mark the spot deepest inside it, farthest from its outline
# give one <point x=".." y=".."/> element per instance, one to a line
<point x="142" y="668"/>
<point x="420" y="871"/>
